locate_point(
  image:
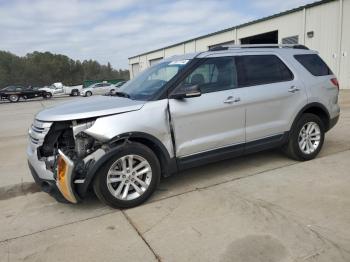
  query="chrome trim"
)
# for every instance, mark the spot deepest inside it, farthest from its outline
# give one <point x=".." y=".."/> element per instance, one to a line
<point x="37" y="132"/>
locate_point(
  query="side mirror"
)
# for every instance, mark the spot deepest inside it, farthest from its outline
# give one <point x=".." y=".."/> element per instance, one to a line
<point x="186" y="91"/>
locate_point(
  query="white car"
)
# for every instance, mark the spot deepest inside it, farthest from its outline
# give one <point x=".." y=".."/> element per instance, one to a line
<point x="53" y="90"/>
<point x="57" y="89"/>
<point x="97" y="89"/>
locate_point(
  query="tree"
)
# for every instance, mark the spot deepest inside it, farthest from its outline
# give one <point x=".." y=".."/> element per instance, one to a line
<point x="39" y="69"/>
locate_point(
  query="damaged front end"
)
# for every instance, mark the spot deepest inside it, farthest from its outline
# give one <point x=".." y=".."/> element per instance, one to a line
<point x="61" y="155"/>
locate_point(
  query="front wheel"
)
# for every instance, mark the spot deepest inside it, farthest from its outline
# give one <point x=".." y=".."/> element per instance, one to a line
<point x="306" y="139"/>
<point x="129" y="178"/>
<point x="88" y="93"/>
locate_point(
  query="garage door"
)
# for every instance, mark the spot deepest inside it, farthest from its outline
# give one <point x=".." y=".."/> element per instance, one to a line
<point x="344" y="72"/>
<point x="135" y="69"/>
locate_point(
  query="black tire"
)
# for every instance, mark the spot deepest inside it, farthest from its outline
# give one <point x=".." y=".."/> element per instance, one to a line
<point x="48" y="95"/>
<point x="292" y="149"/>
<point x="88" y="93"/>
<point x="13" y="98"/>
<point x="74" y="93"/>
<point x="100" y="181"/>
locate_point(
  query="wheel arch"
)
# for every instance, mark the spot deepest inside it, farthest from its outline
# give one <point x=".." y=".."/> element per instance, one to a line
<point x="168" y="164"/>
<point x="316" y="109"/>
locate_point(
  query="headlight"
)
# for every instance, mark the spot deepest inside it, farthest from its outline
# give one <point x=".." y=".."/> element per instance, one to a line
<point x="64" y="177"/>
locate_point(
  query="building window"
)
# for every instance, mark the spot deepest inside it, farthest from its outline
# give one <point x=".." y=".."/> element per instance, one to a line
<point x="224" y="43"/>
<point x="291" y="40"/>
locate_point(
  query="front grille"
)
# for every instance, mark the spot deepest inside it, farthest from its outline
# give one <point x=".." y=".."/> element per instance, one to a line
<point x="38" y="131"/>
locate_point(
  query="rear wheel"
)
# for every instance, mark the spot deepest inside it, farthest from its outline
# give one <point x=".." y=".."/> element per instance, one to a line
<point x="75" y="93"/>
<point x="48" y="95"/>
<point x="13" y="98"/>
<point x="307" y="138"/>
<point x="129" y="178"/>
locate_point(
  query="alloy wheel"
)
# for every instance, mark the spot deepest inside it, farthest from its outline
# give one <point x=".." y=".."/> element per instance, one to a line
<point x="309" y="138"/>
<point x="129" y="177"/>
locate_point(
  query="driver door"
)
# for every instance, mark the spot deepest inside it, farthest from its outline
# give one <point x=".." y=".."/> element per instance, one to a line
<point x="216" y="119"/>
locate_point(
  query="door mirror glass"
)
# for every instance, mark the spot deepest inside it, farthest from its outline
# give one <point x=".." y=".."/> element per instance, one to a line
<point x="186" y="91"/>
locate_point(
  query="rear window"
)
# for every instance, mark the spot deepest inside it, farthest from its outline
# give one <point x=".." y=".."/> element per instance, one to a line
<point x="314" y="64"/>
<point x="261" y="69"/>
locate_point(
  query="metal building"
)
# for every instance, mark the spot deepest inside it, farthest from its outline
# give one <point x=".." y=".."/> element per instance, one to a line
<point x="323" y="26"/>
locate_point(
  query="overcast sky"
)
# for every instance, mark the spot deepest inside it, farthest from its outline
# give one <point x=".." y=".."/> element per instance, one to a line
<point x="113" y="30"/>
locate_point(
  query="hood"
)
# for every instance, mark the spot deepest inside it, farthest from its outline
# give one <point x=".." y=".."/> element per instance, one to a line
<point x="89" y="107"/>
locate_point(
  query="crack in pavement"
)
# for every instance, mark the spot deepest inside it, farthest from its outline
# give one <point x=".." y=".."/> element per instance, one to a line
<point x="58" y="226"/>
<point x="157" y="257"/>
<point x="165" y="198"/>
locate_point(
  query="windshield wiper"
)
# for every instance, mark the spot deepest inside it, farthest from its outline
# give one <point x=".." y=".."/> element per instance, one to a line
<point x="121" y="94"/>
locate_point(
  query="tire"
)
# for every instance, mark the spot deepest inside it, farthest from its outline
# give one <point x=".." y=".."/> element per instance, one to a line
<point x="298" y="147"/>
<point x="13" y="98"/>
<point x="118" y="168"/>
<point x="74" y="93"/>
<point x="88" y="93"/>
<point x="48" y="95"/>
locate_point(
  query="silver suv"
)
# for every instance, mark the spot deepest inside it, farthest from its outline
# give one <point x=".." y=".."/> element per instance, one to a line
<point x="183" y="112"/>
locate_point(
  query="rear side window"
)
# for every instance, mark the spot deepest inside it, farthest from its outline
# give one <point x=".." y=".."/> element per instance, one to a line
<point x="261" y="69"/>
<point x="314" y="64"/>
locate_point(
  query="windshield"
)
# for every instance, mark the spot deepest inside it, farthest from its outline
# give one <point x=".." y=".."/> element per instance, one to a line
<point x="145" y="85"/>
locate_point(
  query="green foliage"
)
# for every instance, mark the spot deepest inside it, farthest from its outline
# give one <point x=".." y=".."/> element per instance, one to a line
<point x="39" y="69"/>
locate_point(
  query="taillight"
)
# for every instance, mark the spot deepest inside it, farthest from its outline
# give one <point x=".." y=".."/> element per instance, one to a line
<point x="335" y="82"/>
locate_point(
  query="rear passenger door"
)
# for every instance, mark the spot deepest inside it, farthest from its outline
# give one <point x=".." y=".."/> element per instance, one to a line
<point x="273" y="94"/>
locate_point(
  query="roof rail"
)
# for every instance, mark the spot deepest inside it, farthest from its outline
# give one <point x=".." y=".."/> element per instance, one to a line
<point x="226" y="47"/>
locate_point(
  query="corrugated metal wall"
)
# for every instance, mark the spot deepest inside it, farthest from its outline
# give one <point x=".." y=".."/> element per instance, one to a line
<point x="324" y="28"/>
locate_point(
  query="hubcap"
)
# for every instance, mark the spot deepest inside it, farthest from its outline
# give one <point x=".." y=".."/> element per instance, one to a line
<point x="129" y="177"/>
<point x="309" y="138"/>
<point x="13" y="97"/>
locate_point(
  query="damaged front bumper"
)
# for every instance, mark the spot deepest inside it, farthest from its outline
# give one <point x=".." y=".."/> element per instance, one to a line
<point x="59" y="186"/>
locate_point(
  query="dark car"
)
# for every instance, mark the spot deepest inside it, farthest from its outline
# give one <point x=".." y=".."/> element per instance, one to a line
<point x="14" y="93"/>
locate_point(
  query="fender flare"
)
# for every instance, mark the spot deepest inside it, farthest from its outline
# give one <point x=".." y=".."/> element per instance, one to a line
<point x="167" y="163"/>
<point x="305" y="108"/>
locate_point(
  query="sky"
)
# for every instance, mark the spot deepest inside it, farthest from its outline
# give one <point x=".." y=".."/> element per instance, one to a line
<point x="113" y="30"/>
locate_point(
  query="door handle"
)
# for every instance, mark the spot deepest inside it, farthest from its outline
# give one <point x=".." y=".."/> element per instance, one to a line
<point x="231" y="100"/>
<point x="293" y="89"/>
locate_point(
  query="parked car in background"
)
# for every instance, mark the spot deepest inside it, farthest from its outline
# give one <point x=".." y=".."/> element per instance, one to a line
<point x="15" y="93"/>
<point x="53" y="90"/>
<point x="73" y="90"/>
<point x="117" y="86"/>
<point x="97" y="89"/>
<point x="58" y="88"/>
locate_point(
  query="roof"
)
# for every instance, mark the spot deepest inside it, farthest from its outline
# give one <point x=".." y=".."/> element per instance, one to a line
<point x="241" y="25"/>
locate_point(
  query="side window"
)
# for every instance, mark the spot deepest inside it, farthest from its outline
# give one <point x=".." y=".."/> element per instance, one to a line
<point x="215" y="74"/>
<point x="18" y="89"/>
<point x="98" y="85"/>
<point x="261" y="69"/>
<point x="314" y="64"/>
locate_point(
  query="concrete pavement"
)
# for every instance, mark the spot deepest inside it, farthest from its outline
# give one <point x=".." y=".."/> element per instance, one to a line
<point x="262" y="207"/>
<point x="300" y="212"/>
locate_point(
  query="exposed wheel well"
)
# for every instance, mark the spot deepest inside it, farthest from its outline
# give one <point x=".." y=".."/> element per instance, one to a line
<point x="157" y="151"/>
<point x="168" y="165"/>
